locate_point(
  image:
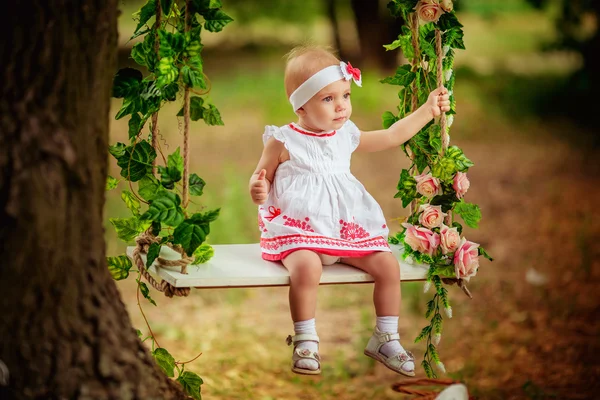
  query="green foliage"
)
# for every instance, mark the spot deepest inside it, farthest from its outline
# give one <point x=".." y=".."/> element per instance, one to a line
<point x="165" y="361"/>
<point x="469" y="212"/>
<point x="191" y="384"/>
<point x="119" y="266"/>
<point x="145" y="291"/>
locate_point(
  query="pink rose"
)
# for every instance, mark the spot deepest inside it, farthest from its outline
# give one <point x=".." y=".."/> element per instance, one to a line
<point x="461" y="184"/>
<point x="428" y="10"/>
<point x="447" y="5"/>
<point x="421" y="239"/>
<point x="449" y="239"/>
<point x="431" y="216"/>
<point x="466" y="259"/>
<point x="428" y="186"/>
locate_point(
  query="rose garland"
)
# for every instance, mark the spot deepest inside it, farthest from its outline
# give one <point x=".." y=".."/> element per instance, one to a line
<point x="436" y="193"/>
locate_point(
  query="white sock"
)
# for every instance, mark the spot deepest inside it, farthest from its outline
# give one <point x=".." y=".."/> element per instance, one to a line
<point x="306" y="327"/>
<point x="390" y="325"/>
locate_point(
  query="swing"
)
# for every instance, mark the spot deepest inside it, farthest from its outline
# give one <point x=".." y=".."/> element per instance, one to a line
<point x="241" y="265"/>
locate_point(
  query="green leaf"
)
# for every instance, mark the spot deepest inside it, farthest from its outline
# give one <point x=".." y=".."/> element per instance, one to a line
<point x="454" y="38"/>
<point x="428" y="49"/>
<point x="428" y="370"/>
<point x="169" y="92"/>
<point x="139" y="333"/>
<point x="111" y="183"/>
<point x="196" y="108"/>
<point x="469" y="212"/>
<point x="135" y="125"/>
<point x="216" y="20"/>
<point x="192" y="77"/>
<point x="166" y="72"/>
<point x="131" y="202"/>
<point x="191" y="384"/>
<point x="461" y="161"/>
<point x="156" y="227"/>
<point x="190" y="235"/>
<point x="203" y="253"/>
<point x="458" y="227"/>
<point x="136" y="161"/>
<point x="153" y="252"/>
<point x="388" y="119"/>
<point x="448" y="20"/>
<point x="175" y="161"/>
<point x="165" y="208"/>
<point x="117" y="150"/>
<point x="126" y="82"/>
<point x="128" y="228"/>
<point x="148" y="187"/>
<point x="445" y="168"/>
<point x="435" y="138"/>
<point x="394" y="45"/>
<point x="430" y="307"/>
<point x="166" y="6"/>
<point x="403" y="77"/>
<point x="165" y="361"/>
<point x="212" y="116"/>
<point x="424" y="332"/>
<point x="145" y="13"/>
<point x="138" y="54"/>
<point x="426" y="259"/>
<point x="145" y="291"/>
<point x="119" y="267"/>
<point x="482" y="252"/>
<point x="196" y="185"/>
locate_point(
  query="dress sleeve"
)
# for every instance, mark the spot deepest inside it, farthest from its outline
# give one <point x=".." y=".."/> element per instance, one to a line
<point x="354" y="134"/>
<point x="274" y="131"/>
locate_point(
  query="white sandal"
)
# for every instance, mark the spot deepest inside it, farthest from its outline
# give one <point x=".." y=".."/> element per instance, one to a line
<point x="300" y="354"/>
<point x="394" y="362"/>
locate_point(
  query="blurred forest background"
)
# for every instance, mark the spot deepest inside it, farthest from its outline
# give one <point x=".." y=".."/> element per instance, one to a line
<point x="527" y="103"/>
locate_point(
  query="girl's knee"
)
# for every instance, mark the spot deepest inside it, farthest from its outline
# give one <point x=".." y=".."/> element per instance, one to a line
<point x="387" y="270"/>
<point x="305" y="268"/>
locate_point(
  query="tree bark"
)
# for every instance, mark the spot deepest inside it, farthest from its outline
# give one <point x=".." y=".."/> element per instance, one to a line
<point x="64" y="330"/>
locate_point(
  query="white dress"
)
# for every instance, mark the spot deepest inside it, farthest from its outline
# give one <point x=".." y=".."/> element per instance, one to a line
<point x="315" y="202"/>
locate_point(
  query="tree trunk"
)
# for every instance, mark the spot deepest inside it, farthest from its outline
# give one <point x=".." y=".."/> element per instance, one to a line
<point x="375" y="27"/>
<point x="64" y="330"/>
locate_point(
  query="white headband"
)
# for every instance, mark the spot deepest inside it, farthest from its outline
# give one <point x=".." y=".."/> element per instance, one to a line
<point x="324" y="77"/>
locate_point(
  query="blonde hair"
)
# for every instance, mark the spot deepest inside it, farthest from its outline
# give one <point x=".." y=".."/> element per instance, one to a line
<point x="303" y="62"/>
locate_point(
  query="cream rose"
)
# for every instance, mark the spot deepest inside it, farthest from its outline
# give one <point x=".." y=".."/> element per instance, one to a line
<point x="431" y="216"/>
<point x="449" y="239"/>
<point x="466" y="259"/>
<point x="421" y="239"/>
<point x="428" y="185"/>
<point x="461" y="184"/>
<point x="428" y="10"/>
<point x="447" y="5"/>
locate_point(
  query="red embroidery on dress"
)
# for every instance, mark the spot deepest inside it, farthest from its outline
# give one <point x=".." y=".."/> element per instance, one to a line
<point x="261" y="224"/>
<point x="277" y="243"/>
<point x="296" y="223"/>
<point x="383" y="226"/>
<point x="274" y="213"/>
<point x="352" y="231"/>
<point x="311" y="134"/>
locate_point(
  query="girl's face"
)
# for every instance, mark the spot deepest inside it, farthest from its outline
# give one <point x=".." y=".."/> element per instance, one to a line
<point x="329" y="109"/>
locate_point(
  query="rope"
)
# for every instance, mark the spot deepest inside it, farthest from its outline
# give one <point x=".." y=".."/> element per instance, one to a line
<point x="143" y="243"/>
<point x="414" y="26"/>
<point x="440" y="81"/>
<point x="403" y="387"/>
<point x="186" y="121"/>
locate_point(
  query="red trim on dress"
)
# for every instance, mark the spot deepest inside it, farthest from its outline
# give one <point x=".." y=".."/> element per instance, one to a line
<point x="276" y="243"/>
<point x="309" y="133"/>
<point x="329" y="252"/>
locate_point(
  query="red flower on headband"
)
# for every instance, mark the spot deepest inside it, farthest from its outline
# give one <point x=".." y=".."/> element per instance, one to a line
<point x="350" y="72"/>
<point x="355" y="72"/>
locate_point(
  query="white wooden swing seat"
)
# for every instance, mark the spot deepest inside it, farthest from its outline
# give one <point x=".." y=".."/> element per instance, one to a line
<point x="241" y="265"/>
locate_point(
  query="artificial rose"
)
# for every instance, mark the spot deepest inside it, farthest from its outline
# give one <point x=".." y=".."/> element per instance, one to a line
<point x="431" y="216"/>
<point x="428" y="10"/>
<point x="421" y="239"/>
<point x="447" y="5"/>
<point x="461" y="184"/>
<point x="466" y="259"/>
<point x="449" y="239"/>
<point x="428" y="185"/>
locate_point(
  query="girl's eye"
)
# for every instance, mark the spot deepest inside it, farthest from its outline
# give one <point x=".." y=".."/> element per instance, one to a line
<point x="328" y="98"/>
<point x="347" y="96"/>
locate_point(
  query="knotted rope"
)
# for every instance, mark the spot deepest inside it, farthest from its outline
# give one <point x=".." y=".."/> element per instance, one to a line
<point x="143" y="243"/>
<point x="403" y="387"/>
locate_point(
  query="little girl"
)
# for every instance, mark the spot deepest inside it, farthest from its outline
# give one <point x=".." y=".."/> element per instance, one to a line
<point x="314" y="212"/>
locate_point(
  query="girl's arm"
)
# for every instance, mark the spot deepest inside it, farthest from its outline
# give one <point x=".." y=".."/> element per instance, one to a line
<point x="259" y="186"/>
<point x="407" y="127"/>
